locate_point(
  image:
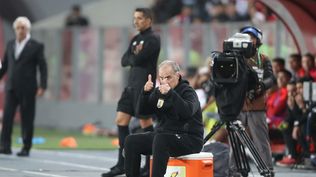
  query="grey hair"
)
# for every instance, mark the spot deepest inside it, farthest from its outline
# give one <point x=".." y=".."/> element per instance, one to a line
<point x="24" y="20"/>
<point x="175" y="67"/>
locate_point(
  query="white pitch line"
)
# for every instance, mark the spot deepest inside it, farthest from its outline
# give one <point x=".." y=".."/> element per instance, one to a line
<point x="77" y="155"/>
<point x="8" y="169"/>
<point x="69" y="164"/>
<point x="42" y="174"/>
<point x="30" y="172"/>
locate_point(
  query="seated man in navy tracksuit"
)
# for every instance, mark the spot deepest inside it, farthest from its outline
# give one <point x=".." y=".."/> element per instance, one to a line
<point x="179" y="129"/>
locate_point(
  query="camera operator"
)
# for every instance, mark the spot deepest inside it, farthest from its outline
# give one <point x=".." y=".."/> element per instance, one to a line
<point x="253" y="113"/>
<point x="179" y="129"/>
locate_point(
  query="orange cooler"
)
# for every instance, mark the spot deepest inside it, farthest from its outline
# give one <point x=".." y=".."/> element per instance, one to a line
<point x="193" y="165"/>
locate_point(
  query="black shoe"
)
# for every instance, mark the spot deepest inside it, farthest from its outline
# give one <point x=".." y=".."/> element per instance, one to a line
<point x="23" y="153"/>
<point x="116" y="170"/>
<point x="5" y="151"/>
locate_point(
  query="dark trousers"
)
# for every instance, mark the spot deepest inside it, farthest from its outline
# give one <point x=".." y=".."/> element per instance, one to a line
<point x="26" y="101"/>
<point x="289" y="141"/>
<point x="303" y="142"/>
<point x="161" y="146"/>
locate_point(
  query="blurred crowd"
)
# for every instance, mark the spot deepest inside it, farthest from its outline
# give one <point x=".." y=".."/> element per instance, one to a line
<point x="199" y="11"/>
<point x="291" y="117"/>
<point x="290" y="109"/>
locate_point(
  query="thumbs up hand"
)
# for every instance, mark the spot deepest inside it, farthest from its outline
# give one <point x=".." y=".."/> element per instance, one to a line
<point x="149" y="84"/>
<point x="164" y="88"/>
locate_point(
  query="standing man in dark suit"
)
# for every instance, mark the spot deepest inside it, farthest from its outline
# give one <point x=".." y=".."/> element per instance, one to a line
<point x="141" y="56"/>
<point x="22" y="58"/>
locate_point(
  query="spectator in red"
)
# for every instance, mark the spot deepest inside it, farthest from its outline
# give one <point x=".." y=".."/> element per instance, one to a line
<point x="295" y="131"/>
<point x="293" y="111"/>
<point x="276" y="101"/>
<point x="295" y="63"/>
<point x="308" y="67"/>
<point x="278" y="64"/>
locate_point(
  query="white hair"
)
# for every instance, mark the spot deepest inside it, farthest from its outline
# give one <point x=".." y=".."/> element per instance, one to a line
<point x="173" y="64"/>
<point x="24" y="20"/>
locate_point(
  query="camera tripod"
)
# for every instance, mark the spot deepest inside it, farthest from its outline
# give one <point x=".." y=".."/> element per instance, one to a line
<point x="238" y="140"/>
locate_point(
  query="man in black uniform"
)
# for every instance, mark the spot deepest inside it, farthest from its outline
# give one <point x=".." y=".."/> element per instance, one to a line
<point x="141" y="55"/>
<point x="179" y="129"/>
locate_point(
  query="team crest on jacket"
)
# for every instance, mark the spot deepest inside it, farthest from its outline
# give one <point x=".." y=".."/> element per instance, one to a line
<point x="160" y="103"/>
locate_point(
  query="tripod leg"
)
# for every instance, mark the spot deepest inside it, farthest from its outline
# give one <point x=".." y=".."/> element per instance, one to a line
<point x="245" y="139"/>
<point x="215" y="128"/>
<point x="239" y="154"/>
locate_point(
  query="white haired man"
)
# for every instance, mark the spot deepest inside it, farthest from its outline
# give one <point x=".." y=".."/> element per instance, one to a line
<point x="22" y="58"/>
<point x="179" y="129"/>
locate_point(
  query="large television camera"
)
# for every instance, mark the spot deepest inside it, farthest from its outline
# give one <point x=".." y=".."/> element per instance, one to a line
<point x="232" y="76"/>
<point x="236" y="49"/>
